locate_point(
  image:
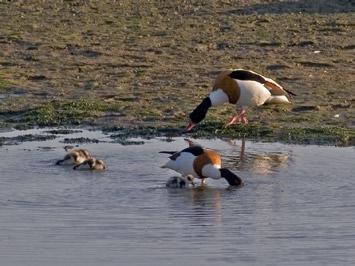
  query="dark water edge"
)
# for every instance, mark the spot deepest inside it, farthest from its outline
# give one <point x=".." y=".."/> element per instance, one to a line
<point x="328" y="135"/>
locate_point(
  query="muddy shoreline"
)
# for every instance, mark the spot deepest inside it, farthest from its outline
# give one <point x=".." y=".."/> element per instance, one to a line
<point x="138" y="135"/>
<point x="140" y="69"/>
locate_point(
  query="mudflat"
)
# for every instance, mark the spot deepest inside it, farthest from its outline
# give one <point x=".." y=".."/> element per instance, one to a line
<point x="144" y="66"/>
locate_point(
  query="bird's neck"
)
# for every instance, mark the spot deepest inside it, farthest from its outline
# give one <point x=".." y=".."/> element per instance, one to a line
<point x="200" y="111"/>
<point x="218" y="97"/>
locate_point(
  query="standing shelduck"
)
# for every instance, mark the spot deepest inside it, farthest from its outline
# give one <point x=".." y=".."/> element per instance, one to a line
<point x="201" y="163"/>
<point x="244" y="88"/>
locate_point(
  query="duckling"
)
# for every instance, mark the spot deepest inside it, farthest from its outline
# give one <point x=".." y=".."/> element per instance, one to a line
<point x="91" y="164"/>
<point x="243" y="88"/>
<point x="179" y="182"/>
<point x="74" y="156"/>
<point x="200" y="163"/>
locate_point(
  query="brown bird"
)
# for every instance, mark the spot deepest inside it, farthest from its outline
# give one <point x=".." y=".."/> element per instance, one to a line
<point x="75" y="156"/>
<point x="91" y="164"/>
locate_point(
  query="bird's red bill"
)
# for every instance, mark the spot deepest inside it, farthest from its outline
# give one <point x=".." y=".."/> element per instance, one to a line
<point x="190" y="126"/>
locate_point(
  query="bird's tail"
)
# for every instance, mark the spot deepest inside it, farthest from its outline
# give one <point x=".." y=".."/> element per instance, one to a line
<point x="170" y="165"/>
<point x="168" y="152"/>
<point x="275" y="88"/>
<point x="290" y="92"/>
<point x="277" y="99"/>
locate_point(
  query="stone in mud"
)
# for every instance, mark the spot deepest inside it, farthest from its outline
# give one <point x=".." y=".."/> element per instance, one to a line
<point x="37" y="77"/>
<point x="306" y="108"/>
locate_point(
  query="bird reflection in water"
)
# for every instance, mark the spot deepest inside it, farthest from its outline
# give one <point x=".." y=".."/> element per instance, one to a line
<point x="264" y="163"/>
<point x="201" y="205"/>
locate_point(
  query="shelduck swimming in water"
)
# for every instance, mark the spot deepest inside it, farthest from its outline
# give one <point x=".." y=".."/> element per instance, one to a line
<point x="74" y="156"/>
<point x="91" y="164"/>
<point x="201" y="163"/>
<point x="244" y="88"/>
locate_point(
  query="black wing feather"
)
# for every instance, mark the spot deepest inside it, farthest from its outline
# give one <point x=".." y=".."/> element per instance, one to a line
<point x="195" y="150"/>
<point x="246" y="75"/>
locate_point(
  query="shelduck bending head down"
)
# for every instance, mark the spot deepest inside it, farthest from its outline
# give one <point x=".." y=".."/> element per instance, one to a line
<point x="91" y="164"/>
<point x="243" y="88"/>
<point x="75" y="156"/>
<point x="201" y="163"/>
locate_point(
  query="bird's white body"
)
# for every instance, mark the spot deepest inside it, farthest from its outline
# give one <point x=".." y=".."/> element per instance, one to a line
<point x="184" y="164"/>
<point x="252" y="93"/>
<point x="243" y="89"/>
<point x="211" y="171"/>
<point x="277" y="99"/>
<point x="218" y="97"/>
<point x="200" y="163"/>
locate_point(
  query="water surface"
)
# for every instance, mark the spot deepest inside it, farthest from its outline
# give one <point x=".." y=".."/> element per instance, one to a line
<point x="297" y="206"/>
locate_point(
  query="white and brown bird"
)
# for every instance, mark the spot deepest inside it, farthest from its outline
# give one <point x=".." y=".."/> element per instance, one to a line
<point x="243" y="88"/>
<point x="200" y="163"/>
<point x="91" y="164"/>
<point x="75" y="156"/>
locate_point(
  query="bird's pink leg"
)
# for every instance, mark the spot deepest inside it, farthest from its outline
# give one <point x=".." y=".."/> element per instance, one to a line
<point x="232" y="120"/>
<point x="243" y="117"/>
<point x="239" y="117"/>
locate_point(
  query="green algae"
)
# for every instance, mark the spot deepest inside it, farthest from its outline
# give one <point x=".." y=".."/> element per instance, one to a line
<point x="63" y="113"/>
<point x="318" y="136"/>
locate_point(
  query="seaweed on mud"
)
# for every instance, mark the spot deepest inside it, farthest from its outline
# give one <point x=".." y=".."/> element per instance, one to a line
<point x="24" y="138"/>
<point x="126" y="142"/>
<point x="62" y="131"/>
<point x="80" y="140"/>
<point x="321" y="136"/>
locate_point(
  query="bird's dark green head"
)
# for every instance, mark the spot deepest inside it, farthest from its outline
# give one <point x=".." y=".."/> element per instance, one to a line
<point x="199" y="113"/>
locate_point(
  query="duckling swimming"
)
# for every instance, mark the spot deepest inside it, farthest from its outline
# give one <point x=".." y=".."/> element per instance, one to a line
<point x="75" y="156"/>
<point x="91" y="164"/>
<point x="179" y="182"/>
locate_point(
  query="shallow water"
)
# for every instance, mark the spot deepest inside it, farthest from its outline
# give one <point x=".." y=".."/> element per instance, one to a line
<point x="297" y="206"/>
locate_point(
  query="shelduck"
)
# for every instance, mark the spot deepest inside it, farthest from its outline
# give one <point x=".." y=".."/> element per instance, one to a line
<point x="243" y="88"/>
<point x="201" y="163"/>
